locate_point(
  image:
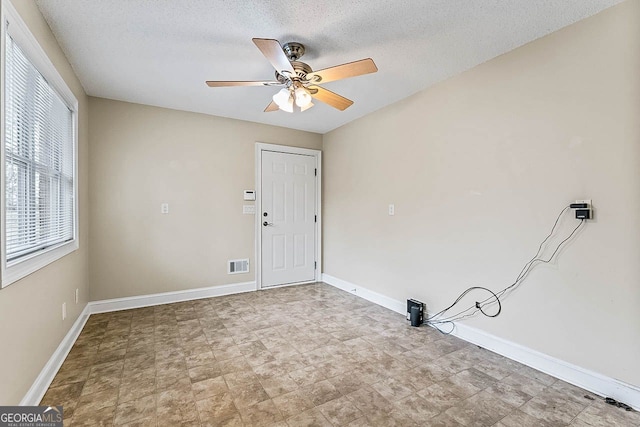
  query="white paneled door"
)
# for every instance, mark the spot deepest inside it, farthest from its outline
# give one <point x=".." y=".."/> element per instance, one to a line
<point x="288" y="218"/>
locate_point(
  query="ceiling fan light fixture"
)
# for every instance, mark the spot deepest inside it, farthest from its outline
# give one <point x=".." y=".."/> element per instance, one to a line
<point x="282" y="97"/>
<point x="284" y="100"/>
<point x="303" y="98"/>
<point x="288" y="107"/>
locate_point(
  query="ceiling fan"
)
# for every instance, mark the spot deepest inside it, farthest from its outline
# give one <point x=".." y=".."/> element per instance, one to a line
<point x="299" y="80"/>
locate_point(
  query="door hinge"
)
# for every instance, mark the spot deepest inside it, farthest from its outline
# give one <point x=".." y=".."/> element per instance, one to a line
<point x="315" y="172"/>
<point x="315" y="218"/>
<point x="315" y="265"/>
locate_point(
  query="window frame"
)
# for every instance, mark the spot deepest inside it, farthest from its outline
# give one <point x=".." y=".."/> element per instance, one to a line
<point x="11" y="23"/>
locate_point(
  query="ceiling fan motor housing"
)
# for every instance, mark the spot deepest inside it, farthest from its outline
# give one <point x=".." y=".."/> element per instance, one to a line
<point x="301" y="70"/>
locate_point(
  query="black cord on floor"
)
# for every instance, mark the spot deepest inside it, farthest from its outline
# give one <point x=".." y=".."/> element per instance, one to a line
<point x="614" y="402"/>
<point x="436" y="319"/>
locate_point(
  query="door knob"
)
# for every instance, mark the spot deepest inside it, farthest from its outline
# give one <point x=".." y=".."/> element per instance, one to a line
<point x="266" y="224"/>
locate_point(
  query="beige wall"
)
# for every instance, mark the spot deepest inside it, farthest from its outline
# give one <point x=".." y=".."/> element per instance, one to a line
<point x="478" y="168"/>
<point x="143" y="156"/>
<point x="31" y="325"/>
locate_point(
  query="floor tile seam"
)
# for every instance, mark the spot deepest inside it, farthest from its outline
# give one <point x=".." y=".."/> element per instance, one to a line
<point x="579" y="413"/>
<point x="518" y="407"/>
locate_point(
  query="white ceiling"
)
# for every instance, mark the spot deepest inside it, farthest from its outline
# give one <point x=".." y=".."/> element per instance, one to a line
<point x="160" y="52"/>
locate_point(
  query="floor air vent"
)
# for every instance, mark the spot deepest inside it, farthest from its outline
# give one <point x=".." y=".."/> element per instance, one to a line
<point x="236" y="266"/>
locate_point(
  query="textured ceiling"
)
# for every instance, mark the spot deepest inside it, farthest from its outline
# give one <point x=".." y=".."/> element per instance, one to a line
<point x="160" y="52"/>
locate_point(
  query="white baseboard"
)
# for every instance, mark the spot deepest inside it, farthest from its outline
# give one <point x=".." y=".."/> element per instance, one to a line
<point x="374" y="297"/>
<point x="116" y="304"/>
<point x="42" y="382"/>
<point x="581" y="377"/>
<point x="44" y="379"/>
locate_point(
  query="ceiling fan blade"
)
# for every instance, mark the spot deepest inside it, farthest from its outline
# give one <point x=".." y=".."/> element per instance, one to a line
<point x="272" y="50"/>
<point x="331" y="98"/>
<point x="307" y="107"/>
<point x="351" y="69"/>
<point x="271" y="107"/>
<point x="230" y="83"/>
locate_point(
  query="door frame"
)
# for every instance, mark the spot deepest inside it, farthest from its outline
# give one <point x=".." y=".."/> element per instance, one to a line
<point x="317" y="154"/>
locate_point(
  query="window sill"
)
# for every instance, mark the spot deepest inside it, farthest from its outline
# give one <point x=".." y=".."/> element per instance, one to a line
<point x="14" y="271"/>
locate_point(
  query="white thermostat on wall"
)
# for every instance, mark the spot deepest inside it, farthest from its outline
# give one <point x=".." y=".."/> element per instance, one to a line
<point x="249" y="194"/>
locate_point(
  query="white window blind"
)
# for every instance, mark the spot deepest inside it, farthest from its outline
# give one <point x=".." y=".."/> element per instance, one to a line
<point x="39" y="160"/>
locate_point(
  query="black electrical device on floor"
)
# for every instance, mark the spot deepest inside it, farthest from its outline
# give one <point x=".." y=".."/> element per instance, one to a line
<point x="415" y="312"/>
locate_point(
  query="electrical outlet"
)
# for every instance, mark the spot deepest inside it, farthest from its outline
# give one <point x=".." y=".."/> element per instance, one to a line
<point x="586" y="213"/>
<point x="64" y="310"/>
<point x="77" y="295"/>
<point x="164" y="208"/>
<point x="392" y="210"/>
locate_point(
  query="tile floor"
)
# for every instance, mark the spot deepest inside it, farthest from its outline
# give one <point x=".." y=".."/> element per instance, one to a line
<point x="301" y="356"/>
